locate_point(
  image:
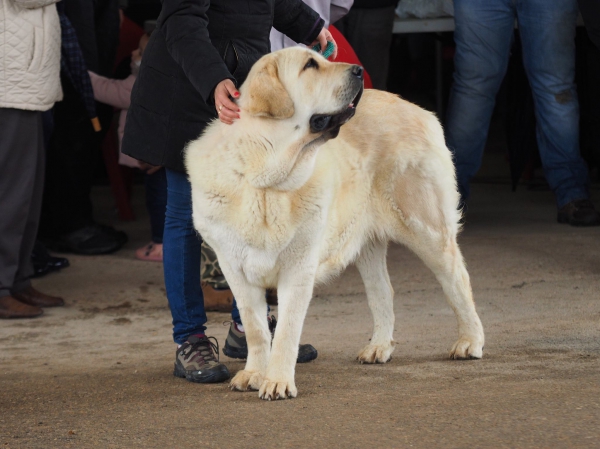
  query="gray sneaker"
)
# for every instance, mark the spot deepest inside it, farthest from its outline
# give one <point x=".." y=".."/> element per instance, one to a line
<point x="195" y="361"/>
<point x="236" y="346"/>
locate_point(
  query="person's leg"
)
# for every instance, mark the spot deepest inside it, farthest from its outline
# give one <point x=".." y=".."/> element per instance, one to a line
<point x="67" y="222"/>
<point x="181" y="252"/>
<point x="369" y="32"/>
<point x="483" y="35"/>
<point x="70" y="163"/>
<point x="196" y="358"/>
<point x="211" y="270"/>
<point x="19" y="164"/>
<point x="156" y="203"/>
<point x="547" y="30"/>
<point x="25" y="270"/>
<point x="235" y="313"/>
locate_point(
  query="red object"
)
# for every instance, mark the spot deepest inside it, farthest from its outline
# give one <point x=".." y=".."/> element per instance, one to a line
<point x="129" y="39"/>
<point x="346" y="53"/>
<point x="119" y="176"/>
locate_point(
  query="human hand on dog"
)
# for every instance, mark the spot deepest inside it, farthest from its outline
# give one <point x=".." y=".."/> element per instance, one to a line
<point x="149" y="169"/>
<point x="322" y="39"/>
<point x="227" y="110"/>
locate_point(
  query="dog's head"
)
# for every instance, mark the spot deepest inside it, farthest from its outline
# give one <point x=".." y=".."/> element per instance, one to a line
<point x="300" y="84"/>
<point x="294" y="100"/>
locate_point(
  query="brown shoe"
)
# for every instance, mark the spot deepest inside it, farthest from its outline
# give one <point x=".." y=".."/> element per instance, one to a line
<point x="34" y="298"/>
<point x="11" y="308"/>
<point x="217" y="300"/>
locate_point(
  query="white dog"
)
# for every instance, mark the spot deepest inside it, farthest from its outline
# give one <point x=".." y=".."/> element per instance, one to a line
<point x="292" y="203"/>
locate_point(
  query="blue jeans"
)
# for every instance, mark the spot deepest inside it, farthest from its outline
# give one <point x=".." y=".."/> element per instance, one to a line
<point x="483" y="35"/>
<point x="156" y="203"/>
<point x="181" y="256"/>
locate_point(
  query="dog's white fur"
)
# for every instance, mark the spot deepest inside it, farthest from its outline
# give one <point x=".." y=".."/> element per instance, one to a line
<point x="284" y="208"/>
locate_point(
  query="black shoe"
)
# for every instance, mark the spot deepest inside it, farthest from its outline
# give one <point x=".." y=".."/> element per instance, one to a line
<point x="90" y="240"/>
<point x="236" y="346"/>
<point x="579" y="213"/>
<point x="44" y="263"/>
<point x="195" y="361"/>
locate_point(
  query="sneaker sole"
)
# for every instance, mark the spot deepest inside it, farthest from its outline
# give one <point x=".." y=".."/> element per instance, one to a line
<point x="213" y="375"/>
<point x="235" y="353"/>
<point x="307" y="353"/>
<point x="564" y="219"/>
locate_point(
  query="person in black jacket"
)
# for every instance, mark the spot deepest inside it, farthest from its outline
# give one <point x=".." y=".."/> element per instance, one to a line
<point x="197" y="55"/>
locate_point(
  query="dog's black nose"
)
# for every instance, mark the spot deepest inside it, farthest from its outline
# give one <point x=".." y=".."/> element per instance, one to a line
<point x="357" y="71"/>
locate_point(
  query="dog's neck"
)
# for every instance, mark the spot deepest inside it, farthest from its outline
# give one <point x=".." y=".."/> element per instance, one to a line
<point x="283" y="157"/>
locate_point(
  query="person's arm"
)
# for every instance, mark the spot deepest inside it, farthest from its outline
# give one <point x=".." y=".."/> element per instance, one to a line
<point x="116" y="93"/>
<point x="184" y="25"/>
<point x="339" y="8"/>
<point x="297" y="21"/>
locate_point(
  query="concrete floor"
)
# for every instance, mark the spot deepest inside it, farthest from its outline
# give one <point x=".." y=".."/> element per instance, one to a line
<point x="98" y="372"/>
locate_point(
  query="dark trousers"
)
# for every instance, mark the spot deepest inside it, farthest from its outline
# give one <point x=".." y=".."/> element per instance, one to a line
<point x="73" y="152"/>
<point x="369" y="32"/>
<point x="590" y="11"/>
<point x="21" y="188"/>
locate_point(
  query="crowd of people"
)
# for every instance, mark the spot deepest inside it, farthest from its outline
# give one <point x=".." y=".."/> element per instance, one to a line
<point x="61" y="85"/>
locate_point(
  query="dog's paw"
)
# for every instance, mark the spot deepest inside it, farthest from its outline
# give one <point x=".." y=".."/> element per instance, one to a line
<point x="246" y="380"/>
<point x="467" y="347"/>
<point x="271" y="390"/>
<point x="376" y="353"/>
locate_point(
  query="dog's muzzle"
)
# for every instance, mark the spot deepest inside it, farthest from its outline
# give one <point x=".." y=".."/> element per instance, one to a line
<point x="332" y="122"/>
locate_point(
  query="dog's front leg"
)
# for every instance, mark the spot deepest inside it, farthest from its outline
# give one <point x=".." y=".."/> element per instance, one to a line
<point x="294" y="293"/>
<point x="253" y="311"/>
<point x="252" y="305"/>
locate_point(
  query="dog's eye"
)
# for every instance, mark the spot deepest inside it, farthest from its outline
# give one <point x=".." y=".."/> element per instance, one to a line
<point x="311" y="64"/>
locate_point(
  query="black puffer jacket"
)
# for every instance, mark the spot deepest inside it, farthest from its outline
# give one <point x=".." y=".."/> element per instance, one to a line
<point x="196" y="45"/>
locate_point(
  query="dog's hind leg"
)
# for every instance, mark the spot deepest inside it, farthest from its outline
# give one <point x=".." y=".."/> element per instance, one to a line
<point x="371" y="264"/>
<point x="440" y="252"/>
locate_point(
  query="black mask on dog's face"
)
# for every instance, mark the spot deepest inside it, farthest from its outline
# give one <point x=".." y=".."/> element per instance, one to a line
<point x="319" y="122"/>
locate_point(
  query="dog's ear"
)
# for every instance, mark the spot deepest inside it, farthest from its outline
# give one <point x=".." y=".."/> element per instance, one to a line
<point x="268" y="97"/>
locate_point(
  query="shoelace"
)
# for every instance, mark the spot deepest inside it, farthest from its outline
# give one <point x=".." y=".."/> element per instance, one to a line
<point x="213" y="348"/>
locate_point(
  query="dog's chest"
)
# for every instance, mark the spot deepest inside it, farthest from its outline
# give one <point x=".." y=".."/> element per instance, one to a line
<point x="256" y="226"/>
<point x="268" y="220"/>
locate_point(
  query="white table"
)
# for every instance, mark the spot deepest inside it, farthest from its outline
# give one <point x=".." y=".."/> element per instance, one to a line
<point x="437" y="25"/>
